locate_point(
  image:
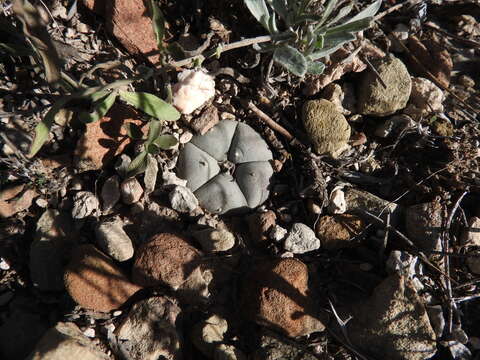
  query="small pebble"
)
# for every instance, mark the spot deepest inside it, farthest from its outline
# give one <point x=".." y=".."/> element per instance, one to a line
<point x="4" y="265"/>
<point x="41" y="202"/>
<point x="117" y="313"/>
<point x="89" y="333"/>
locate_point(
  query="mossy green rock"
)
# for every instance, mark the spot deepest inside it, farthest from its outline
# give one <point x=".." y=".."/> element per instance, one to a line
<point x="374" y="99"/>
<point x="327" y="128"/>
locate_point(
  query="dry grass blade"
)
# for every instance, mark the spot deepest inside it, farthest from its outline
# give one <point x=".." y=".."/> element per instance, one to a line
<point x="35" y="29"/>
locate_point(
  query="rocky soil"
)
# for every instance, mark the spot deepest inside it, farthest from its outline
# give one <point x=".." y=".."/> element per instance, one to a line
<point x="334" y="216"/>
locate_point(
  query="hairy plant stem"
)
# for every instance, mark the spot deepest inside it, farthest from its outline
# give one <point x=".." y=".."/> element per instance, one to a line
<point x="221" y="49"/>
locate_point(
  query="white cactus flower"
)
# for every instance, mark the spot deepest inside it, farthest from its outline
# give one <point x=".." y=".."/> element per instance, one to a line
<point x="193" y="89"/>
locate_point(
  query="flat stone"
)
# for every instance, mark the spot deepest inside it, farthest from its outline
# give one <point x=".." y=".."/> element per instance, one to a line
<point x="393" y="323"/>
<point x="15" y="199"/>
<point x="110" y="194"/>
<point x="374" y="99"/>
<point x="260" y="224"/>
<point x="49" y="251"/>
<point x="149" y="331"/>
<point x="105" y="139"/>
<point x="301" y="239"/>
<point x="423" y="223"/>
<point x="208" y="334"/>
<point x="66" y="341"/>
<point x="359" y="200"/>
<point x="208" y="119"/>
<point x="471" y="235"/>
<point x="94" y="281"/>
<point x="131" y="23"/>
<point x="337" y="232"/>
<point x="276" y="295"/>
<point x="213" y="240"/>
<point x="85" y="203"/>
<point x="326" y="127"/>
<point x="166" y="259"/>
<point x="131" y="191"/>
<point x="113" y="240"/>
<point x="182" y="199"/>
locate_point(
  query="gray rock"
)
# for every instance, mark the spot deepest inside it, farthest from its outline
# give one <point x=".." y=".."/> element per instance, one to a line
<point x="301" y="239"/>
<point x="182" y="199"/>
<point x="394" y="125"/>
<point x="148" y="332"/>
<point x="228" y="352"/>
<point x="359" y="200"/>
<point x="49" y="251"/>
<point x="435" y="313"/>
<point x="273" y="348"/>
<point x="110" y="193"/>
<point x="374" y="99"/>
<point x="327" y="128"/>
<point x="393" y="324"/>
<point x="213" y="240"/>
<point x="423" y="223"/>
<point x="85" y="203"/>
<point x="66" y="341"/>
<point x="277" y="233"/>
<point x="113" y="240"/>
<point x="121" y="165"/>
<point x="131" y="191"/>
<point x="150" y="176"/>
<point x="208" y="334"/>
<point x="471" y="235"/>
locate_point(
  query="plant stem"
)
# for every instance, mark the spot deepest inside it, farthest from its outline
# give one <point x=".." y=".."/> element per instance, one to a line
<point x="223" y="48"/>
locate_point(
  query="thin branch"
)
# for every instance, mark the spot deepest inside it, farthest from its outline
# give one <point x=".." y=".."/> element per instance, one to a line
<point x="221" y="49"/>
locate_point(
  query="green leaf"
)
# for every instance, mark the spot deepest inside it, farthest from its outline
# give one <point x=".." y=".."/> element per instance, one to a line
<point x="151" y="104"/>
<point x="101" y="108"/>
<point x="328" y="10"/>
<point x="351" y="27"/>
<point x="272" y="24"/>
<point x="368" y="12"/>
<point x="341" y="14"/>
<point x="158" y="22"/>
<point x="138" y="165"/>
<point x="280" y="7"/>
<point x="43" y="127"/>
<point x="259" y="10"/>
<point x="166" y="142"/>
<point x="291" y="59"/>
<point x="154" y="128"/>
<point x="324" y="52"/>
<point x="315" y="67"/>
<point x="133" y="131"/>
<point x="152" y="149"/>
<point x="335" y="39"/>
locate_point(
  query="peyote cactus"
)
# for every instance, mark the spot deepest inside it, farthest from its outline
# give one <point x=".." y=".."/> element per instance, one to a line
<point x="228" y="168"/>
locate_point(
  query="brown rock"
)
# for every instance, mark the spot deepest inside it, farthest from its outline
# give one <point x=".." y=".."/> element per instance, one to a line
<point x="424" y="222"/>
<point x="260" y="224"/>
<point x="94" y="281"/>
<point x="433" y="57"/>
<point x="276" y="295"/>
<point x="166" y="259"/>
<point x="14" y="199"/>
<point x="66" y="341"/>
<point x="393" y="323"/>
<point x="105" y="138"/>
<point x="206" y="121"/>
<point x="130" y="22"/>
<point x="336" y="232"/>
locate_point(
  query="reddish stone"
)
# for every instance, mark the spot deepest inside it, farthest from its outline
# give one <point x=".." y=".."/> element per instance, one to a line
<point x="105" y="138"/>
<point x="260" y="224"/>
<point x="166" y="259"/>
<point x="276" y="295"/>
<point x="433" y="57"/>
<point x="336" y="232"/>
<point x="130" y="22"/>
<point x="14" y="199"/>
<point x="94" y="281"/>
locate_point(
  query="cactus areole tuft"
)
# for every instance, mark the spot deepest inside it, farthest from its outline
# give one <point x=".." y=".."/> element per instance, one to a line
<point x="227" y="168"/>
